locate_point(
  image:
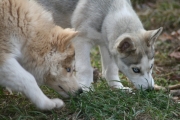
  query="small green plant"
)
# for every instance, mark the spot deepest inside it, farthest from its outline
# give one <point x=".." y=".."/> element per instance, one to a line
<point x="164" y="13"/>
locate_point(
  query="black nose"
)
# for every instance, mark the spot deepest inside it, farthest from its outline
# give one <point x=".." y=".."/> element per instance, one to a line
<point x="152" y="88"/>
<point x="79" y="91"/>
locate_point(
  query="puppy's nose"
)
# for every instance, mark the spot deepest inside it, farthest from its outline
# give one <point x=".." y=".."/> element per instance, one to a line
<point x="152" y="88"/>
<point x="79" y="91"/>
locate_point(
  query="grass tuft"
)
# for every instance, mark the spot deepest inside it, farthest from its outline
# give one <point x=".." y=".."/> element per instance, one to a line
<point x="104" y="103"/>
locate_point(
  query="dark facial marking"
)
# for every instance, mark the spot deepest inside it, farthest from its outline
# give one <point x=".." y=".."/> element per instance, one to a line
<point x="150" y="52"/>
<point x="132" y="58"/>
<point x="151" y="66"/>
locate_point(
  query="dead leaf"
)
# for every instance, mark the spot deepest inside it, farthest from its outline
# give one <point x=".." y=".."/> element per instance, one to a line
<point x="175" y="93"/>
<point x="176" y="53"/>
<point x="165" y="36"/>
<point x="95" y="75"/>
<point x="175" y="77"/>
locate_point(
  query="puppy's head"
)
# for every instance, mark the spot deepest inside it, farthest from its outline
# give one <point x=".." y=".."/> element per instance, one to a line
<point x="134" y="55"/>
<point x="61" y="61"/>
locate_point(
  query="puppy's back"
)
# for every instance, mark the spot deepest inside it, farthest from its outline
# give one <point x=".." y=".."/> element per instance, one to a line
<point x="20" y="21"/>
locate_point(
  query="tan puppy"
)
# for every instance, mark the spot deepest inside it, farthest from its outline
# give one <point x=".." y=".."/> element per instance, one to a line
<point x="34" y="51"/>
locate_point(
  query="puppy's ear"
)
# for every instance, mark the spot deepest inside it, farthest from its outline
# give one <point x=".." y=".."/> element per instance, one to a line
<point x="67" y="35"/>
<point x="152" y="35"/>
<point x="126" y="45"/>
<point x="64" y="38"/>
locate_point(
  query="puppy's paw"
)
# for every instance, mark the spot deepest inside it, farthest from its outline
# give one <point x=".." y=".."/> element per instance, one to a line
<point x="50" y="104"/>
<point x="127" y="89"/>
<point x="116" y="85"/>
<point x="58" y="102"/>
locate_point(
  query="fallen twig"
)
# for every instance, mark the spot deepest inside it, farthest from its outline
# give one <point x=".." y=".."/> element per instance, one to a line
<point x="174" y="91"/>
<point x="171" y="87"/>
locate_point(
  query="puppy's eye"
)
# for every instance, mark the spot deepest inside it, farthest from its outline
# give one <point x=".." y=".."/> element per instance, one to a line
<point x="68" y="69"/>
<point x="136" y="70"/>
<point x="151" y="66"/>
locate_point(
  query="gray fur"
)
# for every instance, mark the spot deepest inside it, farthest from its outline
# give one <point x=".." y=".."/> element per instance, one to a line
<point x="61" y="10"/>
<point x="132" y="58"/>
<point x="107" y="23"/>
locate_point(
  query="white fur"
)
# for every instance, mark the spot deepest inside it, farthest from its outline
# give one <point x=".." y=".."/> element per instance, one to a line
<point x="102" y="22"/>
<point x="109" y="68"/>
<point x="84" y="73"/>
<point x="106" y="40"/>
<point x="140" y="81"/>
<point x="124" y="12"/>
<point x="17" y="78"/>
<point x="34" y="51"/>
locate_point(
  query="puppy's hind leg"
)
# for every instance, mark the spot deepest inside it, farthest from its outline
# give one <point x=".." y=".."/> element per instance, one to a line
<point x="15" y="77"/>
<point x="109" y="68"/>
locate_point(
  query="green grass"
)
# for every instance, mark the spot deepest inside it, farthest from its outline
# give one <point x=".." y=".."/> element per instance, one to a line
<point x="163" y="13"/>
<point x="103" y="103"/>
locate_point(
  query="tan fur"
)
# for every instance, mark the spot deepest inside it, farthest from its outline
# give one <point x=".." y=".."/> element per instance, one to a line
<point x="28" y="34"/>
<point x="40" y="37"/>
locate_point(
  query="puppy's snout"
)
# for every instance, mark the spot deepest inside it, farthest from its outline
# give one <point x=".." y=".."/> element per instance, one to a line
<point x="79" y="91"/>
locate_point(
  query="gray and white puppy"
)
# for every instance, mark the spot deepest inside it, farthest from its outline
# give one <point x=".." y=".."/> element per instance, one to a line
<point x="113" y="25"/>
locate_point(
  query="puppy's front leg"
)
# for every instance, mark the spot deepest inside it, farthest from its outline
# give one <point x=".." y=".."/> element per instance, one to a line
<point x="109" y="68"/>
<point x="15" y="77"/>
<point x="84" y="71"/>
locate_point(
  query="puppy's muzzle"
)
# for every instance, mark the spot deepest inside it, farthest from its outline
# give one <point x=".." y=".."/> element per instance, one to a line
<point x="80" y="90"/>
